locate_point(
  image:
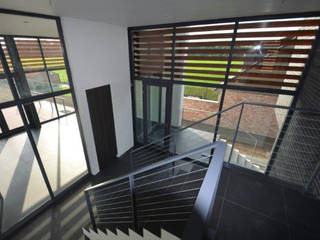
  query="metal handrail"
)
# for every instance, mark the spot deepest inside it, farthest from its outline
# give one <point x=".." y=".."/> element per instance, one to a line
<point x="242" y="104"/>
<point x="188" y="126"/>
<point x="211" y="171"/>
<point x="131" y="177"/>
<point x="222" y="111"/>
<point x="156" y="165"/>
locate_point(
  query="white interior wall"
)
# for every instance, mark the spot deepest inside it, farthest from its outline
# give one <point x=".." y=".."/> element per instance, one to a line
<point x="98" y="55"/>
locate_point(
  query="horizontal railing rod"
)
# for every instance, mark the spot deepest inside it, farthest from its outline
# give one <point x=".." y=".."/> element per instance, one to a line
<point x="190" y="125"/>
<point x="101" y="214"/>
<point x="169" y="193"/>
<point x="170" y="186"/>
<point x="116" y="208"/>
<point x="108" y="194"/>
<point x="166" y="201"/>
<point x="164" y="214"/>
<point x="170" y="168"/>
<point x="282" y="107"/>
<point x="155" y="165"/>
<point x="116" y="185"/>
<point x="170" y="178"/>
<point x="108" y="199"/>
<point x="163" y="208"/>
<point x="111" y="204"/>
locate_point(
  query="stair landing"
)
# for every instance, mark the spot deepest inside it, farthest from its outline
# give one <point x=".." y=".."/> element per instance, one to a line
<point x="251" y="205"/>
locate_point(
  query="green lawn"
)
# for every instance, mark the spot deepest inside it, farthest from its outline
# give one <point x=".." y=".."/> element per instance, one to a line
<point x="206" y="92"/>
<point x="62" y="75"/>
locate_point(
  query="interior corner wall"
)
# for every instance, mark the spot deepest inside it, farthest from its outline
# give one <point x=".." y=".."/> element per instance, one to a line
<point x="98" y="55"/>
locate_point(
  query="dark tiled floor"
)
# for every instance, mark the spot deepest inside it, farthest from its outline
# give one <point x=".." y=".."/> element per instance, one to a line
<point x="65" y="219"/>
<point x="251" y="205"/>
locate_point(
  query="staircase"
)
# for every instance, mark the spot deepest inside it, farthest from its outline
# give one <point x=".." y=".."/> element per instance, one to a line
<point x="158" y="199"/>
<point x="242" y="160"/>
<point x="131" y="235"/>
<point x="171" y="189"/>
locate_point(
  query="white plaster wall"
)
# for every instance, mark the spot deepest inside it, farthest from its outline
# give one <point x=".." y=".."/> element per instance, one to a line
<point x="98" y="55"/>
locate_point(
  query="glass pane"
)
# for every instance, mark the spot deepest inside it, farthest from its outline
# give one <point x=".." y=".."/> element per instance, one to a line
<point x="156" y="103"/>
<point x="12" y="117"/>
<point x="60" y="147"/>
<point x="139" y="110"/>
<point x="38" y="83"/>
<point x="65" y="104"/>
<point x="46" y="109"/>
<point x="29" y="53"/>
<point x="59" y="80"/>
<point x="259" y="127"/>
<point x="53" y="53"/>
<point x="6" y="94"/>
<point x="22" y="185"/>
<point x="191" y="104"/>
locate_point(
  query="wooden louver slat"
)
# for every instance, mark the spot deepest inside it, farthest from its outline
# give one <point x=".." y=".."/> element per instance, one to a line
<point x="269" y="53"/>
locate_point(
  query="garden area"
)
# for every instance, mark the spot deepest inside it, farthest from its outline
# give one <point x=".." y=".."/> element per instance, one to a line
<point x="208" y="93"/>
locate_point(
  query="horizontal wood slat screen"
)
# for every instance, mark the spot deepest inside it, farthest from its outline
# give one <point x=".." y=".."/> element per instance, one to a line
<point x="32" y="58"/>
<point x="267" y="54"/>
<point x="1" y="68"/>
<point x="4" y="48"/>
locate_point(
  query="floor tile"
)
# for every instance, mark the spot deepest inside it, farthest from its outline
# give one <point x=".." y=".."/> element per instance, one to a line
<point x="257" y="194"/>
<point x="303" y="212"/>
<point x="243" y="224"/>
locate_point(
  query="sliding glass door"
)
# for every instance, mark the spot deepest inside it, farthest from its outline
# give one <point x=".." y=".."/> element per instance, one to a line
<point x="156" y="111"/>
<point x="41" y="150"/>
<point x="151" y="111"/>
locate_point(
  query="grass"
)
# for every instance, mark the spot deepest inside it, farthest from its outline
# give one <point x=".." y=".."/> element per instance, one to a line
<point x="206" y="92"/>
<point x="201" y="92"/>
<point x="62" y="75"/>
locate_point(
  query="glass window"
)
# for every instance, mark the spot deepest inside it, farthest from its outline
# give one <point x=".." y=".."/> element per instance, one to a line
<point x="46" y="109"/>
<point x="12" y="117"/>
<point x="60" y="148"/>
<point x="258" y="129"/>
<point x="191" y="104"/>
<point x="59" y="80"/>
<point x="38" y="83"/>
<point x="139" y="110"/>
<point x="64" y="104"/>
<point x="22" y="185"/>
<point x="6" y="94"/>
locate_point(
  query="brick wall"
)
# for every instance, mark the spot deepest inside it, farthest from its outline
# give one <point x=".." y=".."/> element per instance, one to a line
<point x="256" y="120"/>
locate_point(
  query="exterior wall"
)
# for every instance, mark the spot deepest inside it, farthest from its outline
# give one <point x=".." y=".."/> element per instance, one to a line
<point x="98" y="55"/>
<point x="256" y="120"/>
<point x="299" y="151"/>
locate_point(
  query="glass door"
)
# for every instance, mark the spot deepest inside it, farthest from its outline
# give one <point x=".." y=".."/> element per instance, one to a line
<point x="155" y="112"/>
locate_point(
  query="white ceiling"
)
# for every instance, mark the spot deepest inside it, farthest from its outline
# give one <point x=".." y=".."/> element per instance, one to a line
<point x="146" y="12"/>
<point x="27" y="26"/>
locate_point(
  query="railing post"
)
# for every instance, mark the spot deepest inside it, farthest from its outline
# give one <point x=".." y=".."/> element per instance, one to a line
<point x="236" y="133"/>
<point x="131" y="160"/>
<point x="133" y="201"/>
<point x="93" y="222"/>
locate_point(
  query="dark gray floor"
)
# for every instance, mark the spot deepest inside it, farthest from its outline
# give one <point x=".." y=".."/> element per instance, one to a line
<point x="249" y="206"/>
<point x="254" y="206"/>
